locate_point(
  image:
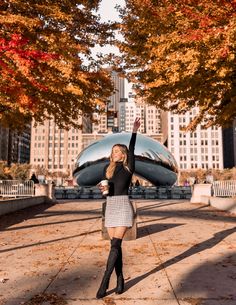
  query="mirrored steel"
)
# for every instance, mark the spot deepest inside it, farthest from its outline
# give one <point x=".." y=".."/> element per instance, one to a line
<point x="153" y="161"/>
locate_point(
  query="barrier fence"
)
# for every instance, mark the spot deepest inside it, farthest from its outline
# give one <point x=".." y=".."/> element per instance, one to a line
<point x="168" y="192"/>
<point x="16" y="188"/>
<point x="225" y="188"/>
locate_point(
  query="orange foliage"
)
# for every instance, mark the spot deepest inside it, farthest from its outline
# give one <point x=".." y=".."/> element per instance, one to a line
<point x="181" y="54"/>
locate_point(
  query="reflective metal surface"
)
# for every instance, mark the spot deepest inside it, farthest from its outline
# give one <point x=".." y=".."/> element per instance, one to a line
<point x="153" y="161"/>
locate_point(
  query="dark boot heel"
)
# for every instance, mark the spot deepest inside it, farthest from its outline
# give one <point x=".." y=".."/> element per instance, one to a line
<point x="103" y="287"/>
<point x="120" y="285"/>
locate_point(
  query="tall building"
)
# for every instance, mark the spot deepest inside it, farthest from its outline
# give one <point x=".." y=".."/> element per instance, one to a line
<point x="149" y="115"/>
<point x="55" y="150"/>
<point x="128" y="111"/>
<point x="4" y="137"/>
<point x="23" y="145"/>
<point x="15" y="146"/>
<point x="229" y="145"/>
<point x="152" y="120"/>
<point x="192" y="150"/>
<point x="119" y="85"/>
<point x="109" y="121"/>
<point x="101" y="123"/>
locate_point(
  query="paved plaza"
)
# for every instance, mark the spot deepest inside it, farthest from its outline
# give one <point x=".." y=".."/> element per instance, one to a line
<point x="185" y="254"/>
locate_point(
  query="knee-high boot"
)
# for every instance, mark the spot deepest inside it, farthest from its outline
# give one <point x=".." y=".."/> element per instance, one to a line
<point x="112" y="258"/>
<point x="119" y="273"/>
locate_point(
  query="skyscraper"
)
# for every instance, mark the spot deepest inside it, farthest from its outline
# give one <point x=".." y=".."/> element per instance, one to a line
<point x="149" y="116"/>
<point x="14" y="145"/>
<point x="229" y="145"/>
<point x="56" y="149"/>
<point x="201" y="148"/>
<point x="108" y="121"/>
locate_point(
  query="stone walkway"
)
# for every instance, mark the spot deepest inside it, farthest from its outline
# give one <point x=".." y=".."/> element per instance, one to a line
<point x="185" y="254"/>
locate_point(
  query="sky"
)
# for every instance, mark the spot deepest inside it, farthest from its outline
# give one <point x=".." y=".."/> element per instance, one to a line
<point x="108" y="12"/>
<point x="107" y="9"/>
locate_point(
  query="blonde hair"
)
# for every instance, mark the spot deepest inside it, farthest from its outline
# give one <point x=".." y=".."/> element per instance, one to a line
<point x="111" y="168"/>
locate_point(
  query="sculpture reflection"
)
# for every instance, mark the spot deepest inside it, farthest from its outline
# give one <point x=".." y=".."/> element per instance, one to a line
<point x="153" y="161"/>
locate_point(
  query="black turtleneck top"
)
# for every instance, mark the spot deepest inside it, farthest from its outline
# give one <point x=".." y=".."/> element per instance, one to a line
<point x="120" y="181"/>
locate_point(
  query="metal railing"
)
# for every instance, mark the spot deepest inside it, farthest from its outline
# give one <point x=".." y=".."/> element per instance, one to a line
<point x="225" y="188"/>
<point x="16" y="188"/>
<point x="168" y="192"/>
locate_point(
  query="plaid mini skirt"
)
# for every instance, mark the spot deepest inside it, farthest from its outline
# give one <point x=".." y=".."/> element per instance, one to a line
<point x="119" y="212"/>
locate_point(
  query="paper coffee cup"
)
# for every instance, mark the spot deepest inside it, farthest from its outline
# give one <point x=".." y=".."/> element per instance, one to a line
<point x="104" y="183"/>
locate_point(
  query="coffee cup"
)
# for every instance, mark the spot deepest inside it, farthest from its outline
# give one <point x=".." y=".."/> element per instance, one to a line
<point x="104" y="183"/>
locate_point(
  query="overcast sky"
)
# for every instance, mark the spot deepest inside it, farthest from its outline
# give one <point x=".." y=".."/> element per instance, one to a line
<point x="107" y="9"/>
<point x="108" y="12"/>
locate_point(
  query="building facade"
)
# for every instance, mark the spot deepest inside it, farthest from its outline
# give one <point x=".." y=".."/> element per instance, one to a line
<point x="200" y="149"/>
<point x="54" y="150"/>
<point x="15" y="146"/>
<point x="4" y="138"/>
<point x="109" y="120"/>
<point x="229" y="145"/>
<point x="150" y="116"/>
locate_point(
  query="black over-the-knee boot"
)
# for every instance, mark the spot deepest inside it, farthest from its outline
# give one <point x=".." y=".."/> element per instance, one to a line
<point x="112" y="258"/>
<point x="119" y="273"/>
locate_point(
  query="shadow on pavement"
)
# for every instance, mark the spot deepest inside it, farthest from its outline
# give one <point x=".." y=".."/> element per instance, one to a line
<point x="211" y="280"/>
<point x="51" y="223"/>
<point x="207" y="244"/>
<point x="206" y="214"/>
<point x="159" y="204"/>
<point x="48" y="241"/>
<point x="154" y="228"/>
<point x="22" y="215"/>
<point x="69" y="212"/>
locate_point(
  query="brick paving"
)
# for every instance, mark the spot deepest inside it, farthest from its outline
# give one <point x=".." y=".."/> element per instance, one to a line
<point x="185" y="254"/>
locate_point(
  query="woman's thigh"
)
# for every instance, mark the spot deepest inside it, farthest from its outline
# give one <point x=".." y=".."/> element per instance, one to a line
<point x="111" y="232"/>
<point x="119" y="232"/>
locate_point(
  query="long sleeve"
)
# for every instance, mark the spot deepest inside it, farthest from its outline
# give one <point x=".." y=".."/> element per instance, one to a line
<point x="131" y="160"/>
<point x="104" y="172"/>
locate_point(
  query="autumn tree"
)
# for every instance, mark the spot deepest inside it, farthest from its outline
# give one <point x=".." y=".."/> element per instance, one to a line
<point x="46" y="67"/>
<point x="40" y="170"/>
<point x="181" y="54"/>
<point x="20" y="171"/>
<point x="4" y="173"/>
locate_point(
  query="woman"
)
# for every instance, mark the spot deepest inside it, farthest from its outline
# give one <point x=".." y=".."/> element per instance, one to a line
<point x="119" y="212"/>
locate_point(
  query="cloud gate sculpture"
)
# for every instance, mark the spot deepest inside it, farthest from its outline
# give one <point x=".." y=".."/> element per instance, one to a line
<point x="153" y="161"/>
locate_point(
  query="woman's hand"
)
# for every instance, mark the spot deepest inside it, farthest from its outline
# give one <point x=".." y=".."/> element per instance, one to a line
<point x="136" y="124"/>
<point x="103" y="188"/>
